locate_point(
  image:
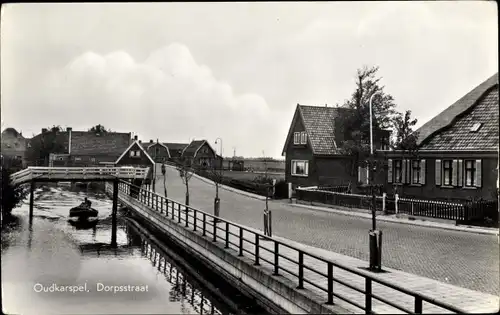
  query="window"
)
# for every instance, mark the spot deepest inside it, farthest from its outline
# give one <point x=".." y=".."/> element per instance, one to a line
<point x="92" y="160"/>
<point x="447" y="172"/>
<point x="470" y="173"/>
<point x="157" y="151"/>
<point x="296" y="138"/>
<point x="415" y="172"/>
<point x="135" y="153"/>
<point x="300" y="168"/>
<point x="78" y="158"/>
<point x="475" y="127"/>
<point x="303" y="137"/>
<point x="398" y="171"/>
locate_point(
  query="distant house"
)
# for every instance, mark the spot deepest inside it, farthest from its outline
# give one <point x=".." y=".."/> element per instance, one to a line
<point x="457" y="153"/>
<point x="175" y="149"/>
<point x="136" y="156"/>
<point x="201" y="155"/>
<point x="88" y="148"/>
<point x="158" y="151"/>
<point x="14" y="146"/>
<point x="313" y="148"/>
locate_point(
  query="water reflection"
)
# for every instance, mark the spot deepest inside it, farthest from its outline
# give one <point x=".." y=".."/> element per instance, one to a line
<point x="54" y="250"/>
<point x="182" y="288"/>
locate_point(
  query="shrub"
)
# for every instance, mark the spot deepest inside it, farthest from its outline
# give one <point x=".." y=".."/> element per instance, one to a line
<point x="10" y="195"/>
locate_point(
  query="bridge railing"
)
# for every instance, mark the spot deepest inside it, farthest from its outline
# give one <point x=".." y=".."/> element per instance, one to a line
<point x="189" y="217"/>
<point x="33" y="172"/>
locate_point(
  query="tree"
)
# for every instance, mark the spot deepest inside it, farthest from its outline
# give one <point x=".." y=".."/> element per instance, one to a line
<point x="355" y="121"/>
<point x="217" y="175"/>
<point x="185" y="172"/>
<point x="11" y="196"/>
<point x="164" y="172"/>
<point x="99" y="129"/>
<point x="405" y="140"/>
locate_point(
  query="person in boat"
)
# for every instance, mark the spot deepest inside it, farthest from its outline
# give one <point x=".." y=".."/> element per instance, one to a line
<point x="87" y="202"/>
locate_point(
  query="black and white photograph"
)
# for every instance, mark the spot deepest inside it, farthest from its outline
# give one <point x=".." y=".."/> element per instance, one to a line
<point x="223" y="158"/>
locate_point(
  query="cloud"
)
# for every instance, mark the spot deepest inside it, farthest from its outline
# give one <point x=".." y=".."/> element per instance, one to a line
<point x="167" y="96"/>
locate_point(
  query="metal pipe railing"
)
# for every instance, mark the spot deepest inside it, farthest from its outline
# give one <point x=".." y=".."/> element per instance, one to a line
<point x="367" y="294"/>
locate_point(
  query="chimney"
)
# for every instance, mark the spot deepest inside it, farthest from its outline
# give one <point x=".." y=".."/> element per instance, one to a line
<point x="140" y="141"/>
<point x="151" y="141"/>
<point x="135" y="137"/>
<point x="44" y="130"/>
<point x="69" y="129"/>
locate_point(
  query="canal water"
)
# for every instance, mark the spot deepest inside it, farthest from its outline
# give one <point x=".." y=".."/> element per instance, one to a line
<point x="55" y="267"/>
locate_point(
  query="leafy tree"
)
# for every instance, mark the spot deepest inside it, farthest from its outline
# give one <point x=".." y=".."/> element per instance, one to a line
<point x="11" y="196"/>
<point x="99" y="129"/>
<point x="355" y="121"/>
<point x="405" y="140"/>
<point x="185" y="172"/>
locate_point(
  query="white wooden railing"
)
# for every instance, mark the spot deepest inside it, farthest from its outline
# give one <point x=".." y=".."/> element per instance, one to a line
<point x="76" y="173"/>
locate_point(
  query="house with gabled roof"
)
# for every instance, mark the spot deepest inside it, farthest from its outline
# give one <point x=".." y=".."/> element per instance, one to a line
<point x="313" y="148"/>
<point x="136" y="155"/>
<point x="457" y="156"/>
<point x="201" y="154"/>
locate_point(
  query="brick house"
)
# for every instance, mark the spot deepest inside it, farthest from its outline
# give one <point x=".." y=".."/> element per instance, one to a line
<point x="157" y="150"/>
<point x="313" y="149"/>
<point x="88" y="148"/>
<point x="457" y="156"/>
<point x="14" y="147"/>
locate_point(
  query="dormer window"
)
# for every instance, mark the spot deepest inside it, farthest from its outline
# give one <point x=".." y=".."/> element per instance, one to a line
<point x="475" y="127"/>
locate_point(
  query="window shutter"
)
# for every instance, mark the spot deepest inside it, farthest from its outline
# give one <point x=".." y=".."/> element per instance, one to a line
<point x="359" y="173"/>
<point x="479" y="174"/>
<point x="460" y="172"/>
<point x="306" y="168"/>
<point x="438" y="172"/>
<point x="422" y="172"/>
<point x="454" y="173"/>
<point x="292" y="169"/>
<point x="389" y="171"/>
<point x="403" y="179"/>
<point x="408" y="171"/>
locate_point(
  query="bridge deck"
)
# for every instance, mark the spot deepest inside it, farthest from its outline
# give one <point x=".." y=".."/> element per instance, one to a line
<point x="77" y="174"/>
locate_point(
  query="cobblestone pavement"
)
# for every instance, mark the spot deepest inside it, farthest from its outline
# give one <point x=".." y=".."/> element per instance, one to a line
<point x="463" y="259"/>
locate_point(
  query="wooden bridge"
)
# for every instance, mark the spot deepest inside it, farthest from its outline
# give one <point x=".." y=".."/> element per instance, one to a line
<point x="51" y="174"/>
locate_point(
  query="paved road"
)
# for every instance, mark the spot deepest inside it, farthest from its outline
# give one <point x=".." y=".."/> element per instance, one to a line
<point x="464" y="259"/>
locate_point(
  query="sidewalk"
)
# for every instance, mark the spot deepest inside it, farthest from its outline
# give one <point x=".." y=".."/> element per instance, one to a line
<point x="364" y="213"/>
<point x="468" y="300"/>
<point x="398" y="218"/>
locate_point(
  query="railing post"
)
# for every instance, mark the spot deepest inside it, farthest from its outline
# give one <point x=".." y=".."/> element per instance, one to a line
<point x="173" y="210"/>
<point x="161" y="205"/>
<point x="227" y="235"/>
<point x="330" y="284"/>
<point x="396" y="199"/>
<point x="301" y="270"/>
<point x="241" y="242"/>
<point x="418" y="305"/>
<point x="368" y="296"/>
<point x="204" y="223"/>
<point x="179" y="213"/>
<point x="187" y="217"/>
<point x="256" y="249"/>
<point x="214" y="231"/>
<point x="276" y="258"/>
<point x="195" y="213"/>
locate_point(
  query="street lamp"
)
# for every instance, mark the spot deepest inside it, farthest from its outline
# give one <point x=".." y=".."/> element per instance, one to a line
<point x="375" y="236"/>
<point x="218" y="178"/>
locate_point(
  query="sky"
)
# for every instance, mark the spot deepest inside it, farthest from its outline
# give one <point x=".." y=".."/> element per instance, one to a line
<point x="234" y="71"/>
